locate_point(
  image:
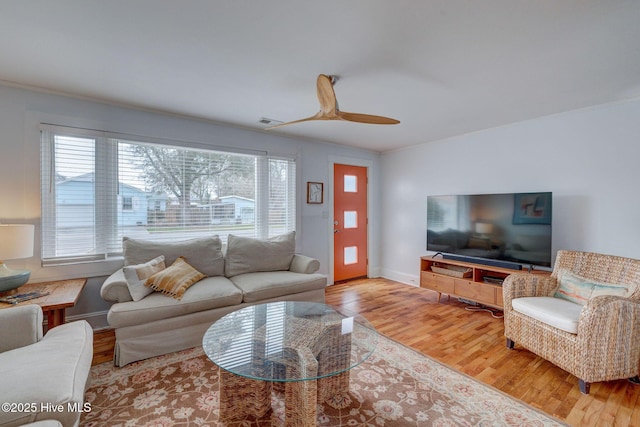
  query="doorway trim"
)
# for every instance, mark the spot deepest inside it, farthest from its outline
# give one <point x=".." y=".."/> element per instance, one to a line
<point x="351" y="161"/>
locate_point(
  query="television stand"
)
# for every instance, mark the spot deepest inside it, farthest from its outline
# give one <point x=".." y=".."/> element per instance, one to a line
<point x="467" y="280"/>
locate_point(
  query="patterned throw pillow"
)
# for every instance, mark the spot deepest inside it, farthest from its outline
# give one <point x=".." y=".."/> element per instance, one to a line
<point x="175" y="280"/>
<point x="136" y="276"/>
<point x="573" y="288"/>
<point x="579" y="289"/>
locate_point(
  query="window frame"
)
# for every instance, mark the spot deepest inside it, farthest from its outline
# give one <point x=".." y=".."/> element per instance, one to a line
<point x="108" y="199"/>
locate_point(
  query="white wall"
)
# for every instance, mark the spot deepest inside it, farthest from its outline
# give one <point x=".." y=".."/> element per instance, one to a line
<point x="588" y="158"/>
<point x="22" y="110"/>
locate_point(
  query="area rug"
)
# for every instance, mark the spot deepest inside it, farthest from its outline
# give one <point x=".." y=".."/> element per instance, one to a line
<point x="396" y="386"/>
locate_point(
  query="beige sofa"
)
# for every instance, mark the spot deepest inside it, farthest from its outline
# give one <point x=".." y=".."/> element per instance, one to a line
<point x="42" y="378"/>
<point x="251" y="272"/>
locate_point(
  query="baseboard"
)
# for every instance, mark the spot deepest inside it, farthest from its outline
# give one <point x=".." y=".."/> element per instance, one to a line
<point x="398" y="276"/>
<point x="97" y="319"/>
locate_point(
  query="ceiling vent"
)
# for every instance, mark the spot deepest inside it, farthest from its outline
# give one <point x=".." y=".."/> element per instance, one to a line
<point x="270" y="122"/>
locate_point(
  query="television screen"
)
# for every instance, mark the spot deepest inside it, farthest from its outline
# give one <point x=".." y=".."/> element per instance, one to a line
<point x="513" y="228"/>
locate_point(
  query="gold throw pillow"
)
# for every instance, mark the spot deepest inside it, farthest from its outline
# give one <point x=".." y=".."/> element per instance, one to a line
<point x="175" y="280"/>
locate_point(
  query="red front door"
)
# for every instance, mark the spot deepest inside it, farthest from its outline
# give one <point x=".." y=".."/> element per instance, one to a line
<point x="350" y="222"/>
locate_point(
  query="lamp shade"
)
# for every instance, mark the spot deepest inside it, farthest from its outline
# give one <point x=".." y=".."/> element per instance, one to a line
<point x="16" y="241"/>
<point x="483" y="228"/>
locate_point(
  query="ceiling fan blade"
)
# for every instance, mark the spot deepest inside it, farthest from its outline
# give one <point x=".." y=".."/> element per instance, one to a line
<point x="367" y="118"/>
<point x="329" y="108"/>
<point x="317" y="116"/>
<point x="326" y="95"/>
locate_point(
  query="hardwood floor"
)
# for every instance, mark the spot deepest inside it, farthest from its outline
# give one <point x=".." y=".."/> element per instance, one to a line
<point x="103" y="344"/>
<point x="473" y="343"/>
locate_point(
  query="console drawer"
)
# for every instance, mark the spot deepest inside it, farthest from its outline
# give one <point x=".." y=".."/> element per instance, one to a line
<point x="475" y="291"/>
<point x="437" y="282"/>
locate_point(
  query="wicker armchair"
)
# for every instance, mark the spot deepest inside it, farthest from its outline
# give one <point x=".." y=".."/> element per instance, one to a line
<point x="606" y="344"/>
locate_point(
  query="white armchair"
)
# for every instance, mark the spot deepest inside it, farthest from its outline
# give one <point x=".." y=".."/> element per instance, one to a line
<point x="37" y="371"/>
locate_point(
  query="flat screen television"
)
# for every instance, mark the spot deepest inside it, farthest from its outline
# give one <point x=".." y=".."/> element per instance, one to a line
<point x="509" y="230"/>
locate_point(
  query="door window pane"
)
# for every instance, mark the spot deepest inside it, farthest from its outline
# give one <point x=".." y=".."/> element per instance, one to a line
<point x="350" y="255"/>
<point x="350" y="183"/>
<point x="350" y="219"/>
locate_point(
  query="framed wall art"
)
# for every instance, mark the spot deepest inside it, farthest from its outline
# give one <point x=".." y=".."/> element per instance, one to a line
<point x="532" y="208"/>
<point x="315" y="193"/>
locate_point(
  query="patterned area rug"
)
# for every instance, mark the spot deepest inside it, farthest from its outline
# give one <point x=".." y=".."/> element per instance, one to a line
<point x="396" y="386"/>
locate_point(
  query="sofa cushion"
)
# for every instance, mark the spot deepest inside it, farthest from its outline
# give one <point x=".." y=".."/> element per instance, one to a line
<point x="175" y="280"/>
<point x="204" y="254"/>
<point x="54" y="370"/>
<point x="263" y="285"/>
<point x="137" y="275"/>
<point x="556" y="312"/>
<point x="208" y="293"/>
<point x="247" y="255"/>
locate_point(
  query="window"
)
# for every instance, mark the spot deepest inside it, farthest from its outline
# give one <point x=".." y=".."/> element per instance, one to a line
<point x="98" y="187"/>
<point x="127" y="203"/>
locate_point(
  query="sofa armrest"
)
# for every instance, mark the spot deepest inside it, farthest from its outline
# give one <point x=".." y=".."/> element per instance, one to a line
<point x="518" y="285"/>
<point x="115" y="288"/>
<point x="21" y="326"/>
<point x="304" y="264"/>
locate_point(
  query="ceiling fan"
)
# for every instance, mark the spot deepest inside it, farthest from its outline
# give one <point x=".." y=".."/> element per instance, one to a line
<point x="329" y="108"/>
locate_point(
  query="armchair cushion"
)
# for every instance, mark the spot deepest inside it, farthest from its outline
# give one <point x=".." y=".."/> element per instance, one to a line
<point x="557" y="312"/>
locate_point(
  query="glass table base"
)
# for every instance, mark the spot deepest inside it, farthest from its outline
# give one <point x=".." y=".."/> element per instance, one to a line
<point x="241" y="396"/>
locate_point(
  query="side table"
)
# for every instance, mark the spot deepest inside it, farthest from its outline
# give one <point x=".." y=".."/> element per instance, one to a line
<point x="62" y="295"/>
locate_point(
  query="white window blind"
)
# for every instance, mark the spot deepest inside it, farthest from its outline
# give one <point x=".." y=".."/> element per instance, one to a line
<point x="449" y="212"/>
<point x="97" y="189"/>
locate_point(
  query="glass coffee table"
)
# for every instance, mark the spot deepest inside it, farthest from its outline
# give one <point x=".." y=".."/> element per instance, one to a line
<point x="303" y="348"/>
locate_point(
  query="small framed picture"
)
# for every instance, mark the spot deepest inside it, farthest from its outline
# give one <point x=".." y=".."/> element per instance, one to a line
<point x="532" y="208"/>
<point x="315" y="192"/>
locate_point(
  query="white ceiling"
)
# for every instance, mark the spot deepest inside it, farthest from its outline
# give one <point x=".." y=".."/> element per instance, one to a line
<point x="443" y="68"/>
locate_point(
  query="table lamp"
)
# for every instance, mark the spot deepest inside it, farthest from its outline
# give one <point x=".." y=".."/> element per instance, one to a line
<point x="16" y="241"/>
<point x="484" y="228"/>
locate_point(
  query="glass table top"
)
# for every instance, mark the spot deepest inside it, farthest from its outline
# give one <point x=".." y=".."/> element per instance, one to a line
<point x="289" y="341"/>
